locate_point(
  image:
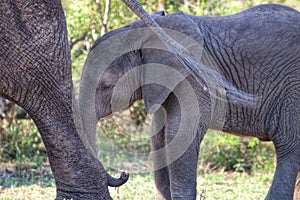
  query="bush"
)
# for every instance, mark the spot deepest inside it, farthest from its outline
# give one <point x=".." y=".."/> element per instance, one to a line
<point x="20" y="141"/>
<point x="229" y="152"/>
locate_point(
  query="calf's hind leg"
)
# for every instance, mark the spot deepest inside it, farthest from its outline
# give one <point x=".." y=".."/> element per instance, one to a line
<point x="287" y="145"/>
<point x="288" y="162"/>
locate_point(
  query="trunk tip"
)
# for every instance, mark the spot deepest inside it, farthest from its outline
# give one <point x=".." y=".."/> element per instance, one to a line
<point x="117" y="182"/>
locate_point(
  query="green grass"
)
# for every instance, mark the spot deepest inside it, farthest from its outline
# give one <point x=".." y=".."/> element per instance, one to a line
<point x="211" y="186"/>
<point x="233" y="186"/>
<point x="217" y="185"/>
<point x="31" y="192"/>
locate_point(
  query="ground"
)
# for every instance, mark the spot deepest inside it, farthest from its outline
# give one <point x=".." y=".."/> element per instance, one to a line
<point x="36" y="184"/>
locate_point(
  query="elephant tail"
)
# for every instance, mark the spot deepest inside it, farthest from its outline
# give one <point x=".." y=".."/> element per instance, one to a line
<point x="117" y="182"/>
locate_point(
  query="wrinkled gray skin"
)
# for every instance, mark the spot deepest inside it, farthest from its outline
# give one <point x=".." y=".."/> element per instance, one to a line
<point x="257" y="51"/>
<point x="35" y="73"/>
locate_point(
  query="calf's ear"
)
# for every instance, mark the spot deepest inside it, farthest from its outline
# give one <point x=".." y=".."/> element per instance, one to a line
<point x="164" y="79"/>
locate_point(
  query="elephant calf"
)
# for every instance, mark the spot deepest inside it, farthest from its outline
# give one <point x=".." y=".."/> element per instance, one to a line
<point x="239" y="74"/>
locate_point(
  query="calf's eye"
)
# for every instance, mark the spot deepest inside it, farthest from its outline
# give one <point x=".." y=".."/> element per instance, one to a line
<point x="106" y="85"/>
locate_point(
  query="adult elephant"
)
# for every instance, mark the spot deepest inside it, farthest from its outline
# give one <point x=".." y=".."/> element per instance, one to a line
<point x="249" y="63"/>
<point x="36" y="74"/>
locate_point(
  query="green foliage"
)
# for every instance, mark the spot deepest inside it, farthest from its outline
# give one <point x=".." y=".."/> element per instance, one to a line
<point x="229" y="152"/>
<point x="82" y="17"/>
<point x="20" y="141"/>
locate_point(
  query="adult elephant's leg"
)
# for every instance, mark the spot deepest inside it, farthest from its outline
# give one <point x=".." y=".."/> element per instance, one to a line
<point x="161" y="173"/>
